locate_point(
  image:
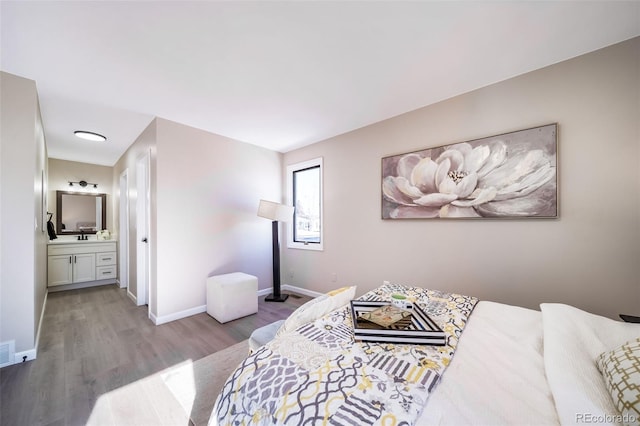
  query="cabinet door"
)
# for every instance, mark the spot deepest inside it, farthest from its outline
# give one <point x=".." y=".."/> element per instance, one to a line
<point x="84" y="267"/>
<point x="60" y="270"/>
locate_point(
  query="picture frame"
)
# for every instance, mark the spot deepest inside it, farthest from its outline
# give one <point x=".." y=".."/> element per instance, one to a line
<point x="506" y="176"/>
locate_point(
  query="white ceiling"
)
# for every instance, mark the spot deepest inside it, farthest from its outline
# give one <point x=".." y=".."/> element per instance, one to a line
<point x="278" y="74"/>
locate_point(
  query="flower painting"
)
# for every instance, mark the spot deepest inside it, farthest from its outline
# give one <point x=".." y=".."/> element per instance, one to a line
<point x="513" y="175"/>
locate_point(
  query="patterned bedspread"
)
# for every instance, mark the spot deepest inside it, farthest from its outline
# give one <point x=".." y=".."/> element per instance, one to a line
<point x="320" y="375"/>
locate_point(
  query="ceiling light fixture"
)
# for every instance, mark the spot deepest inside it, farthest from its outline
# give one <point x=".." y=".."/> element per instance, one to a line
<point x="90" y="136"/>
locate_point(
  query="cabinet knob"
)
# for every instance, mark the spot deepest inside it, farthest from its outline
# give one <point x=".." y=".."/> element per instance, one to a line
<point x="144" y="240"/>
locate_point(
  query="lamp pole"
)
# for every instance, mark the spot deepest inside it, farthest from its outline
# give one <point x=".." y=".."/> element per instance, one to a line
<point x="276" y="296"/>
<point x="275" y="212"/>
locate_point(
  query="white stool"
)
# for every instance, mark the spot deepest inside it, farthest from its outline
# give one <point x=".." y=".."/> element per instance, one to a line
<point x="231" y="296"/>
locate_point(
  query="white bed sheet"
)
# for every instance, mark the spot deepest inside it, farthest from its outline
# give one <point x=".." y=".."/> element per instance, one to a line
<point x="497" y="375"/>
<point x="573" y="341"/>
<point x="516" y="366"/>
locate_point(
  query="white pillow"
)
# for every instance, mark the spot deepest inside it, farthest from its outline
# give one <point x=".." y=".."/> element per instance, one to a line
<point x="316" y="308"/>
<point x="573" y="340"/>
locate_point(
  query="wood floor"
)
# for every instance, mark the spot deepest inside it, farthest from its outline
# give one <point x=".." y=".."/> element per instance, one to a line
<point x="95" y="340"/>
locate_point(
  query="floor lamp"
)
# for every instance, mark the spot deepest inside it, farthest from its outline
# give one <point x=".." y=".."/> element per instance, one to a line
<point x="276" y="213"/>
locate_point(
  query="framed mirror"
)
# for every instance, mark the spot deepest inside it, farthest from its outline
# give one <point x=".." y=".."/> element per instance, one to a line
<point x="79" y="212"/>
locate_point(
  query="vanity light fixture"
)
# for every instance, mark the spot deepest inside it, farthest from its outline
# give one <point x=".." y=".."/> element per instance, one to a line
<point x="90" y="136"/>
<point x="83" y="183"/>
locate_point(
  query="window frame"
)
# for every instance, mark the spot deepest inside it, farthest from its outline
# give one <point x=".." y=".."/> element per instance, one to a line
<point x="291" y="169"/>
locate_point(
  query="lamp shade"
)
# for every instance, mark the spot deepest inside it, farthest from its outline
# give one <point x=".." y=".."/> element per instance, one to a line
<point x="275" y="211"/>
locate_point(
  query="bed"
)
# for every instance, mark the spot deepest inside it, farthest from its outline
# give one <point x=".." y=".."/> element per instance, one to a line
<point x="501" y="365"/>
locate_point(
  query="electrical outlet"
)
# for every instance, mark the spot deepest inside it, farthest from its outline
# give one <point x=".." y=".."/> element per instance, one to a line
<point x="334" y="277"/>
<point x="291" y="274"/>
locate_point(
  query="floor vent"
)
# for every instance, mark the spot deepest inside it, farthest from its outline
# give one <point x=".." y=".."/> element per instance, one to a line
<point x="6" y="353"/>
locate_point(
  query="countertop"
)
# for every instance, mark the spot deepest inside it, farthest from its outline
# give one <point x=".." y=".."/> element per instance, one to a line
<point x="69" y="240"/>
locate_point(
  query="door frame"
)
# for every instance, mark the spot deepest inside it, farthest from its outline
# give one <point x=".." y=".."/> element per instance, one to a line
<point x="124" y="232"/>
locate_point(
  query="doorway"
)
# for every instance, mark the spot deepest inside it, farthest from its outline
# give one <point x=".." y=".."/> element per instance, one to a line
<point x="124" y="232"/>
<point x="142" y="234"/>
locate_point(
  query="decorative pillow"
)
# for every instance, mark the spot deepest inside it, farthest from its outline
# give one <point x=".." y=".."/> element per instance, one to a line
<point x="621" y="371"/>
<point x="350" y="290"/>
<point x="573" y="341"/>
<point x="316" y="308"/>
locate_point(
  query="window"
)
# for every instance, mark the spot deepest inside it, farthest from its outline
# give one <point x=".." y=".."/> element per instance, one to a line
<point x="304" y="188"/>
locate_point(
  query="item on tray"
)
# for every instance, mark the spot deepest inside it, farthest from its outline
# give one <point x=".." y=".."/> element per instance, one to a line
<point x="386" y="315"/>
<point x="401" y="301"/>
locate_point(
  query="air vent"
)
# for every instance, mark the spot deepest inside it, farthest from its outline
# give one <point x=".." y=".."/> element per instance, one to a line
<point x="6" y="353"/>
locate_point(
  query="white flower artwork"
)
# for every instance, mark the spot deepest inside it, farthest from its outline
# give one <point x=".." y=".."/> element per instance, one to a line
<point x="513" y="175"/>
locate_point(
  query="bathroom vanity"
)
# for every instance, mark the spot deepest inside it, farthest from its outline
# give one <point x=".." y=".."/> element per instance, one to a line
<point x="76" y="264"/>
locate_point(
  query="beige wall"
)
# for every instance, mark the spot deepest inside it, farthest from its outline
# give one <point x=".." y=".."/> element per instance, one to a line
<point x="205" y="190"/>
<point x="22" y="240"/>
<point x="589" y="257"/>
<point x="61" y="172"/>
<point x="41" y="236"/>
<point x="208" y="189"/>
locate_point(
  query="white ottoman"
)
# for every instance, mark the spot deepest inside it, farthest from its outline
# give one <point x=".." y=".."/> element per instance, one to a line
<point x="231" y="296"/>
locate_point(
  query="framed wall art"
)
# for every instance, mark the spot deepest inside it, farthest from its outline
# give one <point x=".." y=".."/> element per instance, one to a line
<point x="512" y="175"/>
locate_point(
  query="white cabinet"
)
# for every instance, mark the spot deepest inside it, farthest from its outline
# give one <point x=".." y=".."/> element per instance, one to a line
<point x="84" y="267"/>
<point x="72" y="268"/>
<point x="60" y="270"/>
<point x="89" y="263"/>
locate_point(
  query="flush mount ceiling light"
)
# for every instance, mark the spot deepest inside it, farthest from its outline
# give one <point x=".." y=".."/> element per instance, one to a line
<point x="90" y="136"/>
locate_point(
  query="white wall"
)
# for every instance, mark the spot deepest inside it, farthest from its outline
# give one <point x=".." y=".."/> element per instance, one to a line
<point x="208" y="189"/>
<point x="589" y="257"/>
<point x="22" y="240"/>
<point x="145" y="143"/>
<point x="205" y="190"/>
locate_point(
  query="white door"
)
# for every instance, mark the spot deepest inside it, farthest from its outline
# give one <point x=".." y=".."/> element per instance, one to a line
<point x="124" y="230"/>
<point x="142" y="229"/>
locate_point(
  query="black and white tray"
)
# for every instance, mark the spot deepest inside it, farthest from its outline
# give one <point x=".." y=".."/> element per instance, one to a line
<point x="420" y="330"/>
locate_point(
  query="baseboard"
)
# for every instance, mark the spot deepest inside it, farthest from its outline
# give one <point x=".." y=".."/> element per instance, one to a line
<point x="23" y="356"/>
<point x="132" y="297"/>
<point x="76" y="286"/>
<point x="178" y="315"/>
<point x="300" y="290"/>
<point x="31" y="354"/>
<point x="292" y="288"/>
<point x="44" y="305"/>
<point x="157" y="320"/>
